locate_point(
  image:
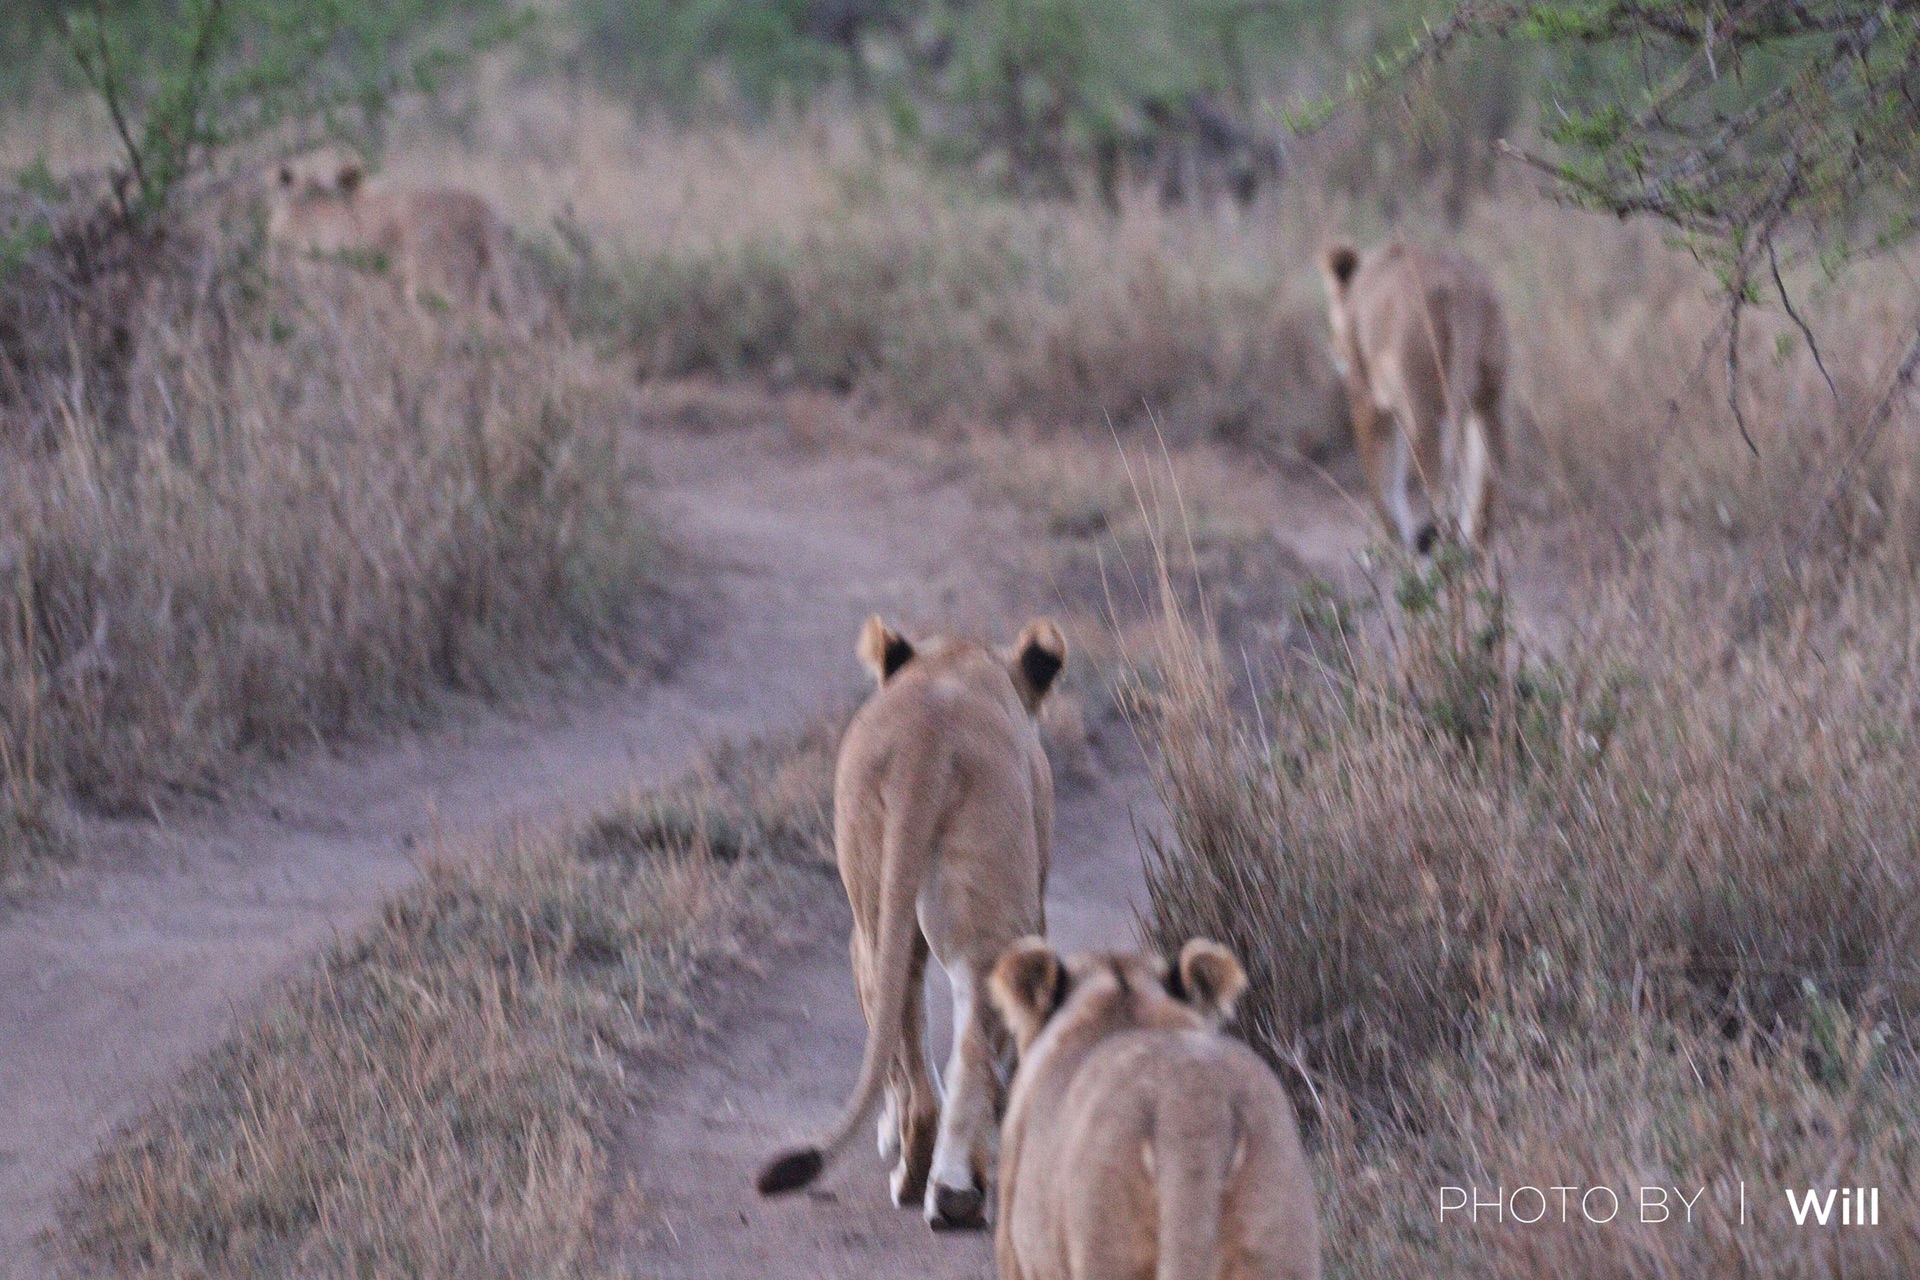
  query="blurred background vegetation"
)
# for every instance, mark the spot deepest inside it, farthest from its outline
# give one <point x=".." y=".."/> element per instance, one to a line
<point x="1048" y="97"/>
<point x="1057" y="96"/>
<point x="1732" y="121"/>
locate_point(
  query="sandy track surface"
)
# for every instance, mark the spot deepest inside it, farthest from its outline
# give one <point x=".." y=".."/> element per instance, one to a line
<point x="787" y="1037"/>
<point x="785" y="1056"/>
<point x="110" y="983"/>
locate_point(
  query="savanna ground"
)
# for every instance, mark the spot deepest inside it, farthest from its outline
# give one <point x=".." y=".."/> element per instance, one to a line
<point x="1588" y="864"/>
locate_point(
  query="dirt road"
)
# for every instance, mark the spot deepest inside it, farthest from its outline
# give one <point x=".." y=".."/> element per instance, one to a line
<point x="112" y="982"/>
<point x="787" y="1047"/>
<point x="783" y="1062"/>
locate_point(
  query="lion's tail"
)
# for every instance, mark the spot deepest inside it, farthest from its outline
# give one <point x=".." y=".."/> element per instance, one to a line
<point x="905" y="847"/>
<point x="1192" y="1171"/>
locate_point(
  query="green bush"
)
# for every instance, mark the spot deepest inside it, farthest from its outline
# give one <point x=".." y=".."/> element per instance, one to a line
<point x="182" y="80"/>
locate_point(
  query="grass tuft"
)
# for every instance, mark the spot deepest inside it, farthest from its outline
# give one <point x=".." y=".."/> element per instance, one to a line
<point x="430" y="1098"/>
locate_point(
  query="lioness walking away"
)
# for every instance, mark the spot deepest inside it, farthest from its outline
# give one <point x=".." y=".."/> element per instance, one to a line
<point x="1422" y="348"/>
<point x="942" y="823"/>
<point x="1140" y="1143"/>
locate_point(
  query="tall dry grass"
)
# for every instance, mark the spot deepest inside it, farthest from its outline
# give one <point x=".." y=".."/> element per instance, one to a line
<point x="1640" y="914"/>
<point x="244" y="511"/>
<point x="813" y="251"/>
<point x="1621" y="377"/>
<point x="961" y="309"/>
<point x="1631" y="907"/>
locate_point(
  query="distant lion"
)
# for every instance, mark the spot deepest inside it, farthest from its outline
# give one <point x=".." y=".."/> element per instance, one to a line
<point x="445" y="247"/>
<point x="1422" y="347"/>
<point x="943" y="826"/>
<point x="1139" y="1142"/>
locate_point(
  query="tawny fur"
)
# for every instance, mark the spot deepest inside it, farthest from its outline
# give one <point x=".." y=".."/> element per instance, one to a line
<point x="1139" y="1142"/>
<point x="446" y="248"/>
<point x="943" y="821"/>
<point x="1422" y="346"/>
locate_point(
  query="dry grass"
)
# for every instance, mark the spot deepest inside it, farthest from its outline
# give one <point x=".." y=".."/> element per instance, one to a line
<point x="959" y="309"/>
<point x="1621" y="369"/>
<point x="244" y="514"/>
<point x="1637" y="911"/>
<point x="809" y="252"/>
<point x="1644" y="916"/>
<point x="429" y="1100"/>
<point x="1633" y="911"/>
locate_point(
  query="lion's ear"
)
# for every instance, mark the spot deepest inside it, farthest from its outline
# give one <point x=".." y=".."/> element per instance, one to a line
<point x="1027" y="986"/>
<point x="286" y="175"/>
<point x="1339" y="264"/>
<point x="352" y="174"/>
<point x="1208" y="979"/>
<point x="883" y="649"/>
<point x="1038" y="655"/>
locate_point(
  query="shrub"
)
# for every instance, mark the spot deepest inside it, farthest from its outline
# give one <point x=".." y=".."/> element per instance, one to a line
<point x="954" y="308"/>
<point x="1637" y="914"/>
<point x="1660" y="821"/>
<point x="290" y="512"/>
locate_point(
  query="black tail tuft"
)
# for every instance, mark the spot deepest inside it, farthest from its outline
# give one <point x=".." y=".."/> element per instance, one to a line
<point x="1427" y="539"/>
<point x="1341" y="262"/>
<point x="790" y="1172"/>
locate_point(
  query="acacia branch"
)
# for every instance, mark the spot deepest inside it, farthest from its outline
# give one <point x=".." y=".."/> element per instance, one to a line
<point x="1903" y="383"/>
<point x="102" y="78"/>
<point x="1806" y="332"/>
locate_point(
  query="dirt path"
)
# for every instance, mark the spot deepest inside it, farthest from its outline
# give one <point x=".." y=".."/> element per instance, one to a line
<point x="787" y="1043"/>
<point x="785" y="1056"/>
<point x="111" y="983"/>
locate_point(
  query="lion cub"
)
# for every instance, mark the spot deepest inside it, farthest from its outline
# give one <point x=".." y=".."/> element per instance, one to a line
<point x="1139" y="1142"/>
<point x="447" y="248"/>
<point x="1422" y="347"/>
<point x="942" y="825"/>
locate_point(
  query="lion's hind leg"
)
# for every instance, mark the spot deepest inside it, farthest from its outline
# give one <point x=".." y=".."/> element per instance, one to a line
<point x="1475" y="501"/>
<point x="912" y="1097"/>
<point x="956" y="1194"/>
<point x="1395" y="474"/>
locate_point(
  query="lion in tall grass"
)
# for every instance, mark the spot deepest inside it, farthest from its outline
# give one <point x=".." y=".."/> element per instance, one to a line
<point x="446" y="248"/>
<point x="1422" y="347"/>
